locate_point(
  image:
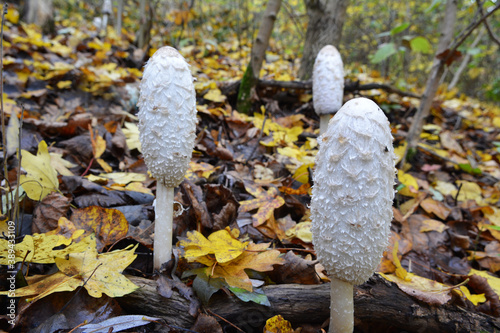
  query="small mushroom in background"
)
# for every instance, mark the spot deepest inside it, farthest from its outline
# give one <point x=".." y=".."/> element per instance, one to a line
<point x="351" y="203"/>
<point x="328" y="84"/>
<point x="167" y="125"/>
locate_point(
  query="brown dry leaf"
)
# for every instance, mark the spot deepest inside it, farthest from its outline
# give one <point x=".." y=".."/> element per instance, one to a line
<point x="489" y="258"/>
<point x="108" y="224"/>
<point x="295" y="269"/>
<point x="47" y="213"/>
<point x="448" y="142"/>
<point x="437" y="208"/>
<point x="65" y="228"/>
<point x="264" y="201"/>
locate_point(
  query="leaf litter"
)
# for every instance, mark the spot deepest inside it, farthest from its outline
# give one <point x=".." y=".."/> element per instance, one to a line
<point x="446" y="217"/>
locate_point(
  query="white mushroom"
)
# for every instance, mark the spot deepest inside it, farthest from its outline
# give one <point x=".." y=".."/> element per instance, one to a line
<point x="328" y="84"/>
<point x="167" y="125"/>
<point x="351" y="204"/>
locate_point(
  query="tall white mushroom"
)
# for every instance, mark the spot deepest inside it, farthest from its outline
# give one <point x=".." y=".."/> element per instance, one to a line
<point x="167" y="125"/>
<point x="328" y="84"/>
<point x="351" y="204"/>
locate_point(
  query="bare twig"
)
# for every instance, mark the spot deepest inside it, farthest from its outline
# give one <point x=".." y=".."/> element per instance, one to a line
<point x="486" y="24"/>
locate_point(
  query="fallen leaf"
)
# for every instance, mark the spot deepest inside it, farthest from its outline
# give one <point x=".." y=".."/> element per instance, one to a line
<point x="109" y="225"/>
<point x="41" y="177"/>
<point x="220" y="243"/>
<point x="437" y="208"/>
<point x="97" y="273"/>
<point x="433" y="225"/>
<point x="277" y="324"/>
<point x="264" y="201"/>
<point x="411" y="185"/>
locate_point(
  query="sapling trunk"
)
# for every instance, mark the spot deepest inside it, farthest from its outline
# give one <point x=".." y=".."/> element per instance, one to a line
<point x="341" y="307"/>
<point x="164" y="214"/>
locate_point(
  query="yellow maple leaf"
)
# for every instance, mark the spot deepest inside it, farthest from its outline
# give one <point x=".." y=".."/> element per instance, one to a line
<point x="40" y="248"/>
<point x="256" y="256"/>
<point x="98" y="273"/>
<point x="221" y="243"/>
<point x="264" y="201"/>
<point x="215" y="95"/>
<point x="109" y="225"/>
<point x="41" y="177"/>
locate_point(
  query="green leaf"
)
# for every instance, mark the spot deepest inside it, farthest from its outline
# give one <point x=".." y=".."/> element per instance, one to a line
<point x="399" y="28"/>
<point x="420" y="44"/>
<point x="384" y="52"/>
<point x="468" y="168"/>
<point x="257" y="296"/>
<point x="494" y="227"/>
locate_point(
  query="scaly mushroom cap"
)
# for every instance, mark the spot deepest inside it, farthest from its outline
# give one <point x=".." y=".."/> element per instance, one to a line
<point x="351" y="204"/>
<point x="328" y="81"/>
<point x="167" y="116"/>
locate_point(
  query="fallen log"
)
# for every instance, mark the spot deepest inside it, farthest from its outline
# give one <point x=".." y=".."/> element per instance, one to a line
<point x="380" y="306"/>
<point x="349" y="86"/>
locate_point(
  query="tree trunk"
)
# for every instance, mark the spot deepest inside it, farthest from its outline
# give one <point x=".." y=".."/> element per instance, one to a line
<point x="252" y="73"/>
<point x="41" y="13"/>
<point x="326" y="19"/>
<point x="379" y="306"/>
<point x="119" y="14"/>
<point x="447" y="28"/>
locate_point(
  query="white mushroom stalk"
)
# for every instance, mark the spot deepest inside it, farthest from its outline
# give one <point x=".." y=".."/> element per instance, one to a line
<point x="167" y="125"/>
<point x="328" y="84"/>
<point x="351" y="204"/>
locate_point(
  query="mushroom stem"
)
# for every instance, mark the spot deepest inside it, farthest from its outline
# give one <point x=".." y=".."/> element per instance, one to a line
<point x="341" y="307"/>
<point x="164" y="212"/>
<point x="323" y="122"/>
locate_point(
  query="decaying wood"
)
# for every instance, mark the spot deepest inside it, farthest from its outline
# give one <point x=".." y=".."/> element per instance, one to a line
<point x="379" y="307"/>
<point x="349" y="86"/>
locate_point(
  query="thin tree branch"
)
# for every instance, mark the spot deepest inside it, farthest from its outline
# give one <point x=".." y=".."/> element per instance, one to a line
<point x="486" y="24"/>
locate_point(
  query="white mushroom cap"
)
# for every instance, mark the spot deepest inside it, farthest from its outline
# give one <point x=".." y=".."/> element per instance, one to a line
<point x="351" y="204"/>
<point x="167" y="116"/>
<point x="328" y="81"/>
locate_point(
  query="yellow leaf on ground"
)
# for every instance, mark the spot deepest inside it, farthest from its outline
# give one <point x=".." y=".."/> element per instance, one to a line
<point x="474" y="298"/>
<point x="433" y="225"/>
<point x="399" y="151"/>
<point x="124" y="177"/>
<point x="40" y="248"/>
<point x="12" y="15"/>
<point x="426" y="290"/>
<point x="445" y="188"/>
<point x="301" y="231"/>
<point x="277" y="324"/>
<point x="215" y="95"/>
<point x="41" y="177"/>
<point x="256" y="257"/>
<point x="468" y="191"/>
<point x="131" y="132"/>
<point x="97" y="273"/>
<point x="61" y="165"/>
<point x="264" y="201"/>
<point x="109" y="225"/>
<point x="411" y="185"/>
<point x="220" y="243"/>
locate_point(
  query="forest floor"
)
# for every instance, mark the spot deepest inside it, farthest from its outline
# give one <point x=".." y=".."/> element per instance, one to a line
<point x="85" y="188"/>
